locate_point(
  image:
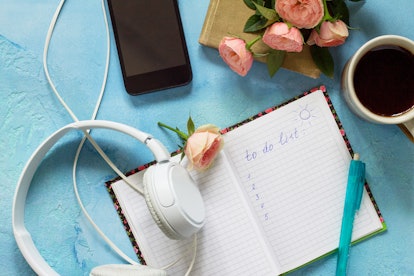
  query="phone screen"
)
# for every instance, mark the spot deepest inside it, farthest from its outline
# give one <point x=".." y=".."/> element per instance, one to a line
<point x="150" y="43"/>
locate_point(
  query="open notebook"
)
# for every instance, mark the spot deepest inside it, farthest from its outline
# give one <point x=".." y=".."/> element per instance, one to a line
<point x="274" y="197"/>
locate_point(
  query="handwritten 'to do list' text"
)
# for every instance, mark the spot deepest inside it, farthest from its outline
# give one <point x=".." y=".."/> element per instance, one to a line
<point x="292" y="131"/>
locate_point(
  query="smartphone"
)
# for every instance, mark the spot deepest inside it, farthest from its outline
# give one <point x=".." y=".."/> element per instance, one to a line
<point x="151" y="44"/>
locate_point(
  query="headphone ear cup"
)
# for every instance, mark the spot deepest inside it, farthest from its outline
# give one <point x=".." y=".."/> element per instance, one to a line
<point x="174" y="200"/>
<point x="158" y="218"/>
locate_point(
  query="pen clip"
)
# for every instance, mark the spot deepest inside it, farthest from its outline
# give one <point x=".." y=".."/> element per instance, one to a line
<point x="357" y="170"/>
<point x="360" y="187"/>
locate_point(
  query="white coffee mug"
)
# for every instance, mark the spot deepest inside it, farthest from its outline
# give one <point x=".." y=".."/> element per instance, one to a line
<point x="405" y="120"/>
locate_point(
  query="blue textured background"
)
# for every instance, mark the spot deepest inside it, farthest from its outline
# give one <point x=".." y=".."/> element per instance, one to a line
<point x="29" y="113"/>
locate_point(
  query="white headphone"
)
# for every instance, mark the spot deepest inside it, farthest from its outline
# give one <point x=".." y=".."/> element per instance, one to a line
<point x="172" y="197"/>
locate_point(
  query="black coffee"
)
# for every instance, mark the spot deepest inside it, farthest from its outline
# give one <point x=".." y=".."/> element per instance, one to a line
<point x="384" y="80"/>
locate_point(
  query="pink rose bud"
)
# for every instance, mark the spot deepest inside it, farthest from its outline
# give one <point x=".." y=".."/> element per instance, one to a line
<point x="203" y="146"/>
<point x="234" y="53"/>
<point x="302" y="14"/>
<point x="330" y="34"/>
<point x="280" y="37"/>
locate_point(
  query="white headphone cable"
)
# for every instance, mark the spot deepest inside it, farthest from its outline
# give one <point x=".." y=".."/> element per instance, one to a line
<point x="68" y="109"/>
<point x="96" y="146"/>
<point x="194" y="255"/>
<point x="92" y="141"/>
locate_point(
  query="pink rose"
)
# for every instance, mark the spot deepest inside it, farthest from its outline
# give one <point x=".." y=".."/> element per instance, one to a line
<point x="280" y="37"/>
<point x="203" y="146"/>
<point x="301" y="13"/>
<point x="234" y="53"/>
<point x="330" y="34"/>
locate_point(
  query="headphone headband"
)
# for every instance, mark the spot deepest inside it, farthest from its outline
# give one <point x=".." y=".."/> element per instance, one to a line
<point x="22" y="236"/>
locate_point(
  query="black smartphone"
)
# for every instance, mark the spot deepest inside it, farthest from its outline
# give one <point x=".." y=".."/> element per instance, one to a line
<point x="151" y="44"/>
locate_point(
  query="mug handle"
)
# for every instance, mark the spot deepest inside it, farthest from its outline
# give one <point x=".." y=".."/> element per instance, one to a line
<point x="408" y="129"/>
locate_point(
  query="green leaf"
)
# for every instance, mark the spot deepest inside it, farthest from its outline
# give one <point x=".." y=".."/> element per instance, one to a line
<point x="190" y="126"/>
<point x="339" y="10"/>
<point x="323" y="59"/>
<point x="269" y="4"/>
<point x="249" y="3"/>
<point x="260" y="2"/>
<point x="255" y="23"/>
<point x="274" y="61"/>
<point x="269" y="14"/>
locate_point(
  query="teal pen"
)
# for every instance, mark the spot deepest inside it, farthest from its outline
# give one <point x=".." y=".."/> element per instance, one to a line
<point x="353" y="197"/>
